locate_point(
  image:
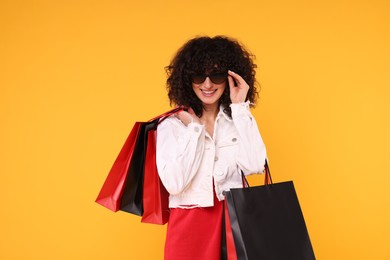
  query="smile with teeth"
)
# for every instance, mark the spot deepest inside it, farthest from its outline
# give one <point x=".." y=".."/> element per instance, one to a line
<point x="208" y="92"/>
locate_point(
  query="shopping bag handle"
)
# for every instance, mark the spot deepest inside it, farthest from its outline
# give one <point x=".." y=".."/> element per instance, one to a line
<point x="165" y="115"/>
<point x="267" y="176"/>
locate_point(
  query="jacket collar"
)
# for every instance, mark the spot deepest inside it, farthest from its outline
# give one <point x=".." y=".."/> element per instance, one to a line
<point x="223" y="114"/>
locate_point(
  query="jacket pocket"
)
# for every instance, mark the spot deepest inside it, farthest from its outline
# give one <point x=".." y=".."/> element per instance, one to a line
<point x="228" y="141"/>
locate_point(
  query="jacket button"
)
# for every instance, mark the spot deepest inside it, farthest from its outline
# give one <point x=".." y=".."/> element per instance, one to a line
<point x="216" y="158"/>
<point x="234" y="139"/>
<point x="196" y="129"/>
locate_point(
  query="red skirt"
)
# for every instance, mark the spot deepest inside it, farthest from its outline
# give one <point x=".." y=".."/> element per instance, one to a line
<point x="195" y="234"/>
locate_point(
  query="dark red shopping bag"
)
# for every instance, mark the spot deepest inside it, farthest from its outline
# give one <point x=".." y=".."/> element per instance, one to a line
<point x="112" y="190"/>
<point x="229" y="252"/>
<point x="133" y="196"/>
<point x="155" y="196"/>
<point x="124" y="187"/>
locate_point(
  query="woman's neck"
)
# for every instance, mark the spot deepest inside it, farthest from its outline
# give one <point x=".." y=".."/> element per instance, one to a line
<point x="210" y="112"/>
<point x="208" y="117"/>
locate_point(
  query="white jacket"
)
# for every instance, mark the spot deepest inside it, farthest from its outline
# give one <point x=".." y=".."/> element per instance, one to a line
<point x="188" y="159"/>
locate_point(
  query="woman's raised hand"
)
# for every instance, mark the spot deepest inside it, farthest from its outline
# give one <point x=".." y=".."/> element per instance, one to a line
<point x="237" y="93"/>
<point x="188" y="117"/>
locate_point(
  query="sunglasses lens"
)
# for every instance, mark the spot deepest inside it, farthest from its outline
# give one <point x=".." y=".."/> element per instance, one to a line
<point x="218" y="78"/>
<point x="198" y="79"/>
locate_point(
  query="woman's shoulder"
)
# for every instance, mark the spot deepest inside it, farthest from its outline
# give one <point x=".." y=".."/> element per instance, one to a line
<point x="174" y="125"/>
<point x="170" y="122"/>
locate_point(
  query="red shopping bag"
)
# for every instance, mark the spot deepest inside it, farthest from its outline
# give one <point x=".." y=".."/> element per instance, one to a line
<point x="230" y="247"/>
<point x="123" y="188"/>
<point x="155" y="196"/>
<point x="132" y="196"/>
<point x="112" y="190"/>
<point x="143" y="165"/>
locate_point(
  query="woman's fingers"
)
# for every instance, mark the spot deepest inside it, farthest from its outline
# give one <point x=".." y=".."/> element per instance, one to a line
<point x="237" y="93"/>
<point x="240" y="81"/>
<point x="194" y="116"/>
<point x="187" y="117"/>
<point x="191" y="111"/>
<point x="231" y="82"/>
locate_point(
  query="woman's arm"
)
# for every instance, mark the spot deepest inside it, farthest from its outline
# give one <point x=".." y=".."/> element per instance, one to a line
<point x="251" y="151"/>
<point x="179" y="152"/>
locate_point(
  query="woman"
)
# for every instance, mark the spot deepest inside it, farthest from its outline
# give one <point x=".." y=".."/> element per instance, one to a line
<point x="203" y="151"/>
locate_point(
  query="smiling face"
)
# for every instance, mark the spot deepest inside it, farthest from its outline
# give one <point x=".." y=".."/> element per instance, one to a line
<point x="209" y="92"/>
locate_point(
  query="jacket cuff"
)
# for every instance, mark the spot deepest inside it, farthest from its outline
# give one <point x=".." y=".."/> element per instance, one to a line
<point x="240" y="109"/>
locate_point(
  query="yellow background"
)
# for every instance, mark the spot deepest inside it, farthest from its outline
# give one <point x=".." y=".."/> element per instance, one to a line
<point x="76" y="75"/>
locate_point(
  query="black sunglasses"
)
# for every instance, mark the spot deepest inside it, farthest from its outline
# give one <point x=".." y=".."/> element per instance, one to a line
<point x="216" y="78"/>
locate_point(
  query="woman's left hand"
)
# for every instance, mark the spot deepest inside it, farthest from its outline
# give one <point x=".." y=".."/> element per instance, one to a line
<point x="237" y="93"/>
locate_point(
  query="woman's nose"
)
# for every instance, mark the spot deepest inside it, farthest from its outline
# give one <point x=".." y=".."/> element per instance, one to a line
<point x="207" y="83"/>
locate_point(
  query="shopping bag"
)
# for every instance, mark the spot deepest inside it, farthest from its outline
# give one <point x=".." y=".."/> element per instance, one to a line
<point x="112" y="189"/>
<point x="126" y="175"/>
<point x="132" y="197"/>
<point x="228" y="247"/>
<point x="155" y="196"/>
<point x="267" y="222"/>
<point x="131" y="200"/>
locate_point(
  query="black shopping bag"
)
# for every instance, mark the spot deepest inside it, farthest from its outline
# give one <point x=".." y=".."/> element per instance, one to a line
<point x="133" y="189"/>
<point x="267" y="222"/>
<point x="132" y="197"/>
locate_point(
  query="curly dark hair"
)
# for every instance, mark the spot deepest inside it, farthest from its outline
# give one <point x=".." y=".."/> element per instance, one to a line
<point x="204" y="55"/>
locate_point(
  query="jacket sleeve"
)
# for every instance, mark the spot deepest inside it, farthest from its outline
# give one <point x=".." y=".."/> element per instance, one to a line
<point x="179" y="151"/>
<point x="251" y="151"/>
